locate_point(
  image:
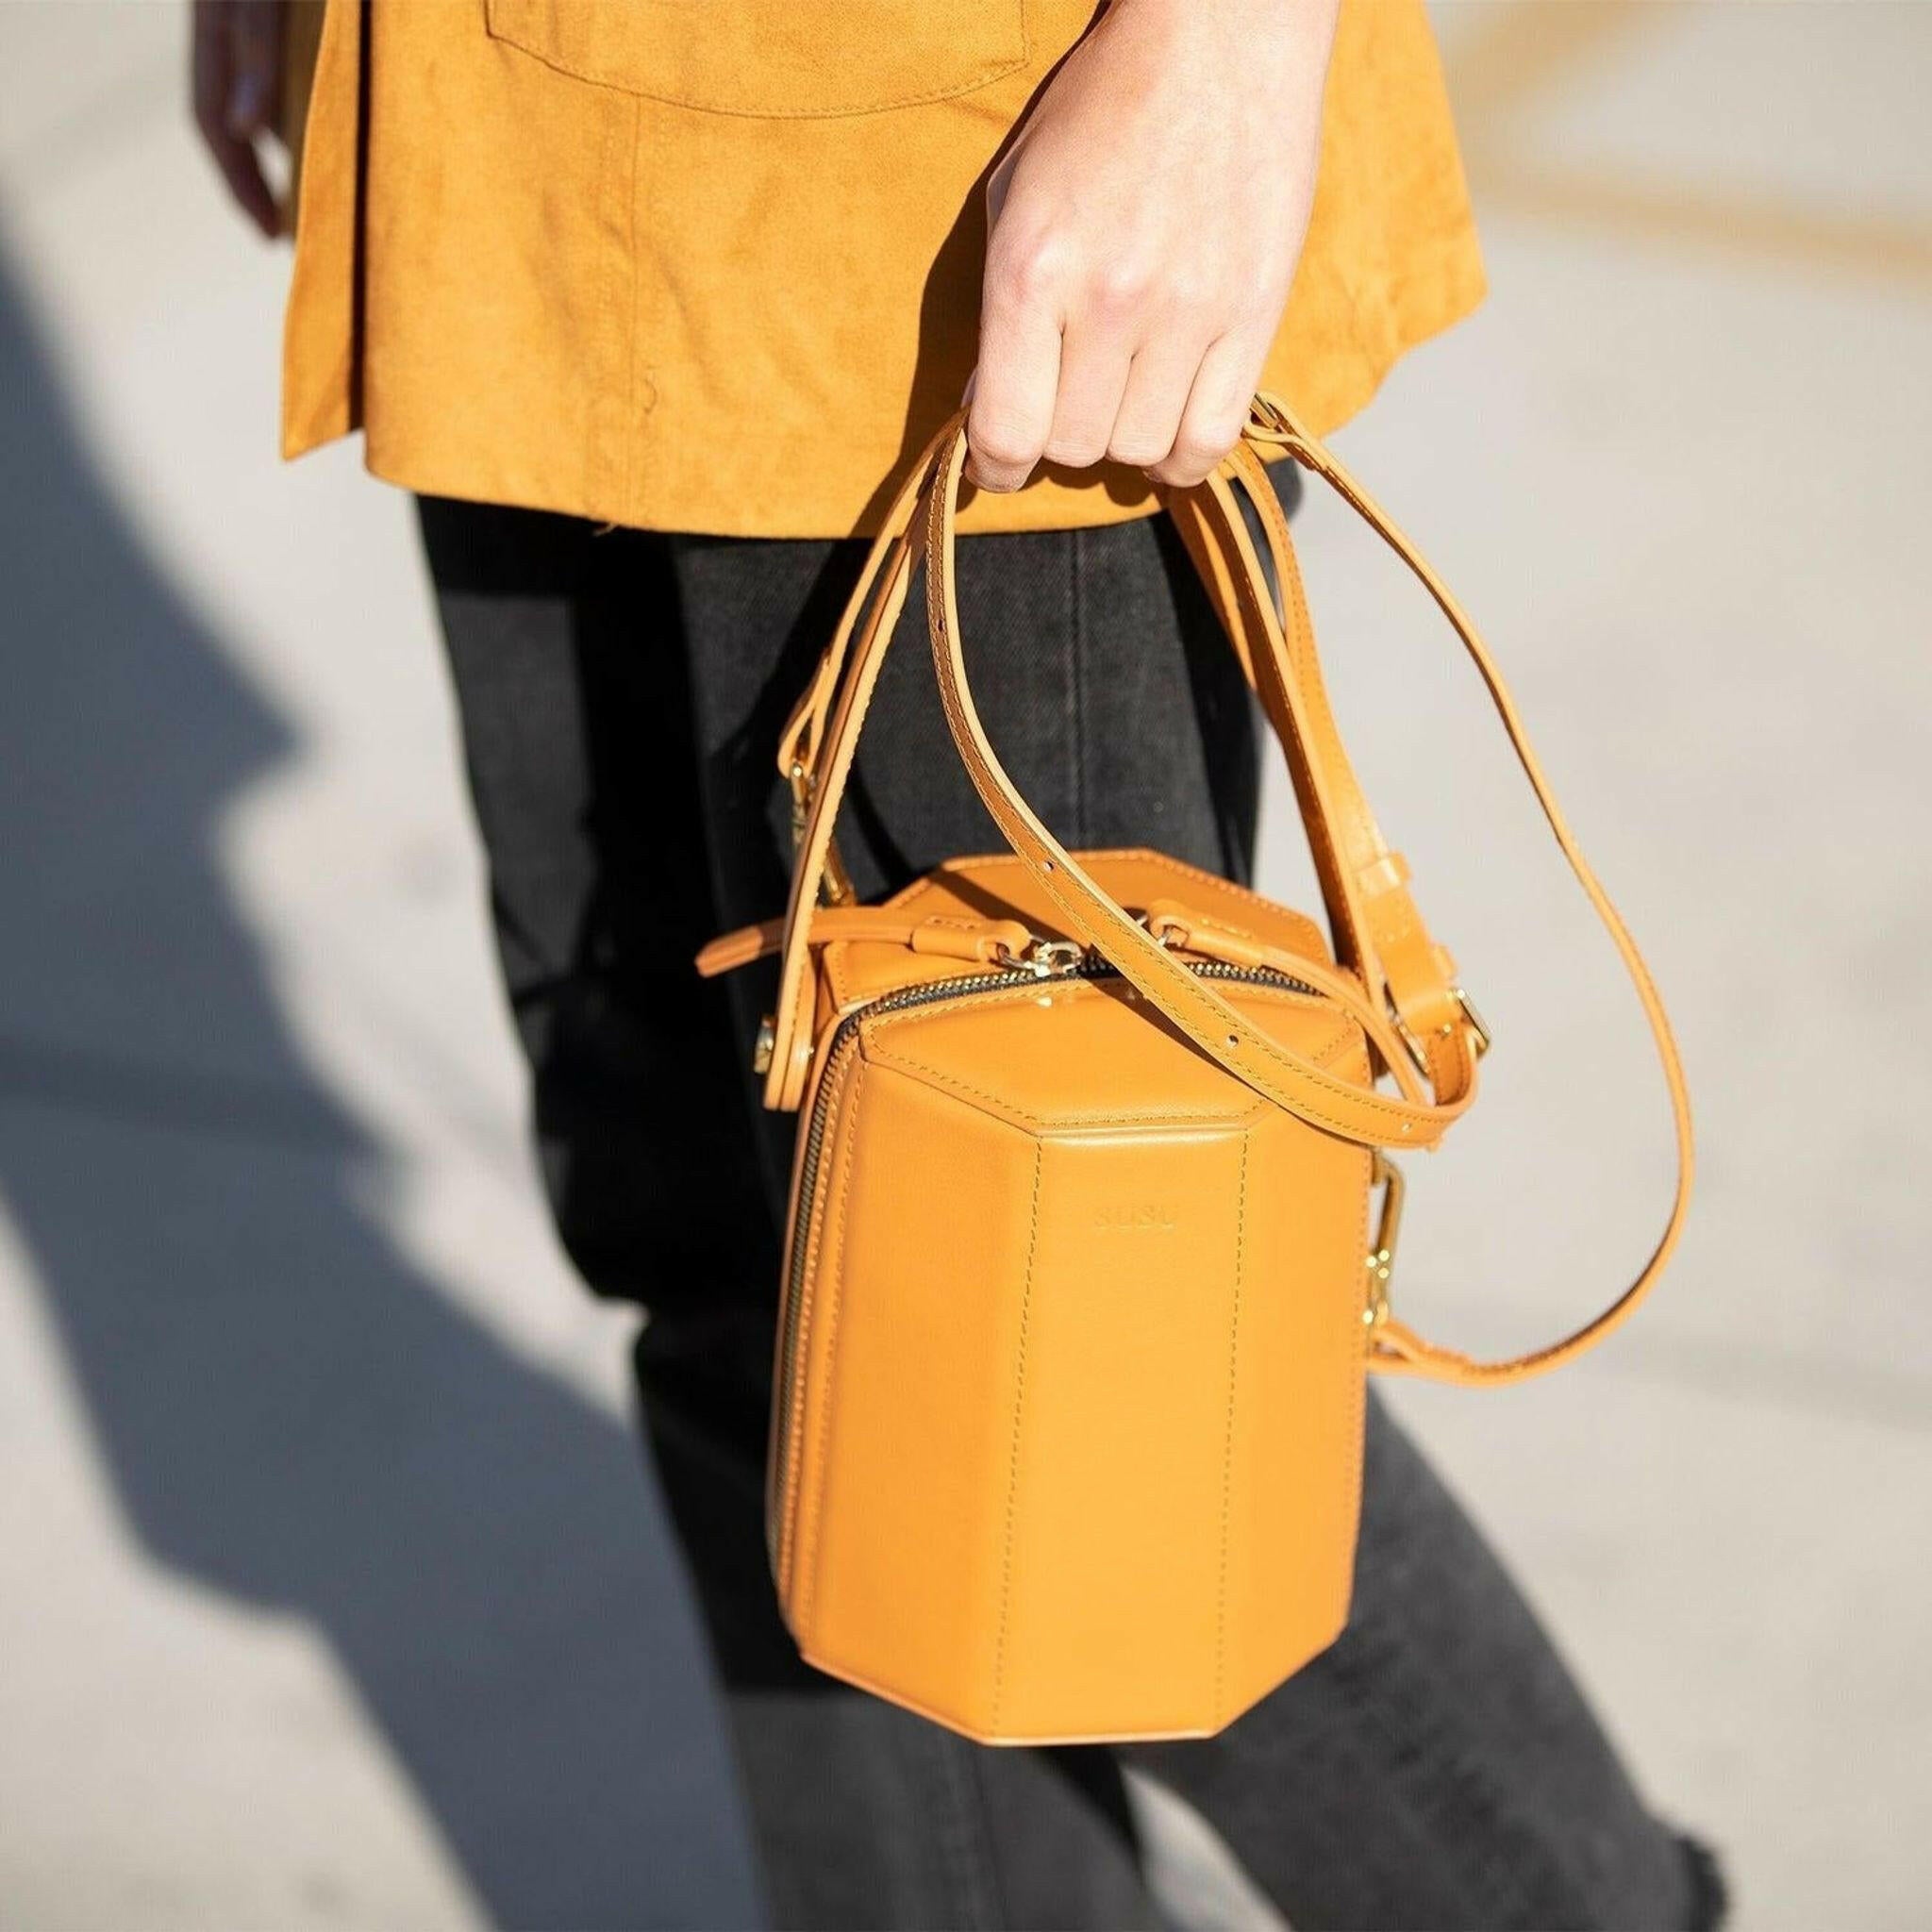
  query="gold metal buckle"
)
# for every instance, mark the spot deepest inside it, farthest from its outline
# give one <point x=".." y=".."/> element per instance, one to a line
<point x="801" y="801"/>
<point x="1381" y="1257"/>
<point x="834" y="889"/>
<point x="1477" y="1025"/>
<point x="1471" y="1018"/>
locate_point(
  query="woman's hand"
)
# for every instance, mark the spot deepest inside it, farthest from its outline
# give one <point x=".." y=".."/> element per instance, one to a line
<point x="237" y="75"/>
<point x="1143" y="232"/>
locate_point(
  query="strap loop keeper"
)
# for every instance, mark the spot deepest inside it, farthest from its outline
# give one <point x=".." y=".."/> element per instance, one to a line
<point x="1387" y="875"/>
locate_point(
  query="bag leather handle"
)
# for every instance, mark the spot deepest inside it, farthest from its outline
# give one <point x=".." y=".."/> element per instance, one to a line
<point x="1218" y="1027"/>
<point x="1288" y="1079"/>
<point x="820" y="752"/>
<point x="816" y="754"/>
<point x="1377" y="932"/>
<point x="1221" y="1034"/>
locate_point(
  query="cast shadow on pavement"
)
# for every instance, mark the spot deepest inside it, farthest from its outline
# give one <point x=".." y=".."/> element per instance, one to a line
<point x="290" y="1410"/>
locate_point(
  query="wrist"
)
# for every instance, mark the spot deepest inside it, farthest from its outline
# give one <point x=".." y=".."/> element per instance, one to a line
<point x="1272" y="42"/>
<point x="1269" y="21"/>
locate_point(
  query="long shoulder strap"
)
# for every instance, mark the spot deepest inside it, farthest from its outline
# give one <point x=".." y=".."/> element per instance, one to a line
<point x="1378" y="930"/>
<point x="1216" y="1027"/>
<point x="1276" y="424"/>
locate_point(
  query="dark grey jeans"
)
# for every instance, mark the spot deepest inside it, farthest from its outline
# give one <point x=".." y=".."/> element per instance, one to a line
<point x="621" y="696"/>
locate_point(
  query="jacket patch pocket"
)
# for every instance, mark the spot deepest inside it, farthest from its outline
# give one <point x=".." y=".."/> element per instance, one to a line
<point x="774" y="59"/>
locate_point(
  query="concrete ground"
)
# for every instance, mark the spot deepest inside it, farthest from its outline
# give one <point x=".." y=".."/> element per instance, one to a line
<point x="329" y="1591"/>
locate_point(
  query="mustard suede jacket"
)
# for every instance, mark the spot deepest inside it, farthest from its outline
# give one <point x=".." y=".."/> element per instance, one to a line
<point x="716" y="267"/>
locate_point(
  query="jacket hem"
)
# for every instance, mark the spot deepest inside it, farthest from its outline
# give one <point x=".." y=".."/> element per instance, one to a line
<point x="1423" y="306"/>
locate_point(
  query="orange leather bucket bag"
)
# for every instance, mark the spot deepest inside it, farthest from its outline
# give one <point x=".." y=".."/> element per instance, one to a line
<point x="1081" y="1290"/>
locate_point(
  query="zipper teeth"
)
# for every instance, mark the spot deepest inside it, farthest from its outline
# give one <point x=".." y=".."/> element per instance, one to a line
<point x="777" y="1525"/>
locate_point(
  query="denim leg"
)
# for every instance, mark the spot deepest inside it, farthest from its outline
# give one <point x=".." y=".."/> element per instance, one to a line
<point x="568" y="656"/>
<point x="864" y="1814"/>
<point x="621" y="698"/>
<point x="1438" y="1767"/>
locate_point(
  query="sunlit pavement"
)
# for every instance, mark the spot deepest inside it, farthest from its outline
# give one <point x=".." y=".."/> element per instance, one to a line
<point x="329" y="1591"/>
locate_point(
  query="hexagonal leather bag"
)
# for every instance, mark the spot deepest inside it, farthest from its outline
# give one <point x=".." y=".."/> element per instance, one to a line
<point x="1093" y="1208"/>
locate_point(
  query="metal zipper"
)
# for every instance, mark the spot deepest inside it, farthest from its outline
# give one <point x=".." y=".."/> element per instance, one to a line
<point x="1062" y="961"/>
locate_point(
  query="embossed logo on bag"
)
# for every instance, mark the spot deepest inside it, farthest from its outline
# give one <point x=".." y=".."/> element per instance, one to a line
<point x="1153" y="1218"/>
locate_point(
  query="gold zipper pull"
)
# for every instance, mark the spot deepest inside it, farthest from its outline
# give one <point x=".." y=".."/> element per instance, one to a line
<point x="1054" y="958"/>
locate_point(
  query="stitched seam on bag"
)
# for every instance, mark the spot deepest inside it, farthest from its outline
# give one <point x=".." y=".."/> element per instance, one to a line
<point x="816" y="1212"/>
<point x="897" y="1057"/>
<point x="1359" y="1355"/>
<point x="999" y="1655"/>
<point x="810" y="1559"/>
<point x="906" y="1063"/>
<point x="1103" y="1117"/>
<point x="1144" y="855"/>
<point x="1233" y="1345"/>
<point x="1349" y="1032"/>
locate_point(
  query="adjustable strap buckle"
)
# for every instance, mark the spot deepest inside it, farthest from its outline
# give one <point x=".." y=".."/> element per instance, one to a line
<point x="1470" y="1018"/>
